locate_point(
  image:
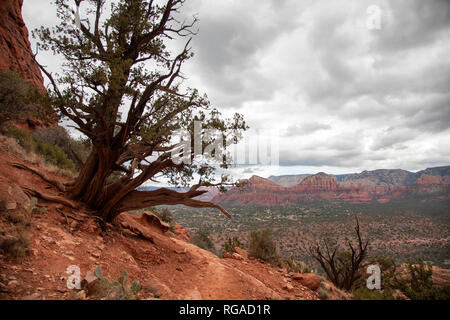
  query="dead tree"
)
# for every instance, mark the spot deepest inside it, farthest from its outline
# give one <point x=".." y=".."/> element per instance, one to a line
<point x="341" y="267"/>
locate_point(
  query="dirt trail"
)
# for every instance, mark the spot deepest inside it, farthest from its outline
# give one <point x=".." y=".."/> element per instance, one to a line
<point x="60" y="237"/>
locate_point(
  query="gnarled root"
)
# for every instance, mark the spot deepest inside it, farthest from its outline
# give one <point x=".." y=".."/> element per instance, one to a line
<point x="50" y="198"/>
<point x="60" y="186"/>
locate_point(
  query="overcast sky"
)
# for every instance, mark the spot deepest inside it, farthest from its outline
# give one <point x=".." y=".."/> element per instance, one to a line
<point x="343" y="94"/>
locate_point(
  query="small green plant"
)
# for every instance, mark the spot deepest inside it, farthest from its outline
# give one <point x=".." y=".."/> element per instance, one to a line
<point x="120" y="289"/>
<point x="52" y="152"/>
<point x="16" y="218"/>
<point x="34" y="208"/>
<point x="98" y="272"/>
<point x="262" y="246"/>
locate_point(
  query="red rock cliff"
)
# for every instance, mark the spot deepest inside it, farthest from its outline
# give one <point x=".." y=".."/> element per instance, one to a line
<point x="15" y="48"/>
<point x="320" y="182"/>
<point x="427" y="180"/>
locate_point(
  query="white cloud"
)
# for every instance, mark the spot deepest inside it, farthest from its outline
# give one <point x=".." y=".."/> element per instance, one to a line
<point x="344" y="98"/>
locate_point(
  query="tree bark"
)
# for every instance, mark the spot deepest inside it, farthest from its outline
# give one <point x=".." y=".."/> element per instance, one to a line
<point x="90" y="185"/>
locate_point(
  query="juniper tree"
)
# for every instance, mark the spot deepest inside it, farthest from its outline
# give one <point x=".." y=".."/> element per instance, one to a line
<point x="122" y="88"/>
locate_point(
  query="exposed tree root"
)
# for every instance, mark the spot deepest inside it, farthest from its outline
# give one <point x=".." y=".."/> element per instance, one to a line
<point x="60" y="186"/>
<point x="46" y="197"/>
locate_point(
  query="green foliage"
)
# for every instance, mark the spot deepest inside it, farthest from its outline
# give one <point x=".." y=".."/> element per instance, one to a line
<point x="295" y="266"/>
<point x="58" y="136"/>
<point x="34" y="208"/>
<point x="202" y="239"/>
<point x="136" y="286"/>
<point x="418" y="283"/>
<point x="262" y="246"/>
<point x="55" y="155"/>
<point x="165" y="215"/>
<point x="18" y="99"/>
<point x="54" y="144"/>
<point x="127" y="63"/>
<point x="388" y="269"/>
<point x="231" y="243"/>
<point x="120" y="289"/>
<point x="16" y="247"/>
<point x="363" y="293"/>
<point x="98" y="272"/>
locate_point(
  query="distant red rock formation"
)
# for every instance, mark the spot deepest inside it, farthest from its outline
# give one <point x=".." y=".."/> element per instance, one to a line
<point x="320" y="182"/>
<point x="427" y="180"/>
<point x="15" y="49"/>
<point x="366" y="187"/>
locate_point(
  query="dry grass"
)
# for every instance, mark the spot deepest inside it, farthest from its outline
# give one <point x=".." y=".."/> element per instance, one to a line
<point x="34" y="158"/>
<point x="15" y="246"/>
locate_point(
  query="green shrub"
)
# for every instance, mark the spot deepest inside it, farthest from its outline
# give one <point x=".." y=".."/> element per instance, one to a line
<point x="388" y="269"/>
<point x="262" y="246"/>
<point x="202" y="239"/>
<point x="231" y="243"/>
<point x="120" y="289"/>
<point x="58" y="136"/>
<point x="295" y="266"/>
<point x="165" y="215"/>
<point x="55" y="155"/>
<point x="46" y="145"/>
<point x="13" y="93"/>
<point x="418" y="283"/>
<point x="363" y="293"/>
<point x="19" y="100"/>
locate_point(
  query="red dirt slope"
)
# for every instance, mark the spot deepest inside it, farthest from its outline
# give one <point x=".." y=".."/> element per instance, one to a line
<point x="61" y="237"/>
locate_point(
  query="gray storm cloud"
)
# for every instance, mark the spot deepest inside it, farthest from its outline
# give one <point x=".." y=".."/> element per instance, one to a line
<point x="342" y="95"/>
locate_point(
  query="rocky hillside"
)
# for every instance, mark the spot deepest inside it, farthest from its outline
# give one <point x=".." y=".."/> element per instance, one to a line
<point x="39" y="241"/>
<point x="364" y="187"/>
<point x="15" y="52"/>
